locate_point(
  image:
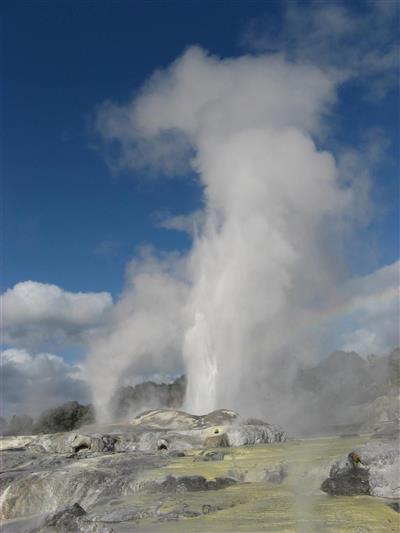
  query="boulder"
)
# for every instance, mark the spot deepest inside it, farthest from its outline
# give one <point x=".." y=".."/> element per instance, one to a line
<point x="372" y="469"/>
<point x="66" y="519"/>
<point x="211" y="456"/>
<point x="219" y="428"/>
<point x="193" y="483"/>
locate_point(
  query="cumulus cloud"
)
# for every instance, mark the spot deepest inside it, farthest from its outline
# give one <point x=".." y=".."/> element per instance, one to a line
<point x="34" y="313"/>
<point x="355" y="42"/>
<point x="34" y="382"/>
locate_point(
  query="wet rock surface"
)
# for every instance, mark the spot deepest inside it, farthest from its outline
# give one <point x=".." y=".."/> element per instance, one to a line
<point x="156" y="491"/>
<point x="372" y="469"/>
<point x="63" y="476"/>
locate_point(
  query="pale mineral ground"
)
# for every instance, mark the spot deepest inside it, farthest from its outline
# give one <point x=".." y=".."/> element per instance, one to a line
<point x="170" y="471"/>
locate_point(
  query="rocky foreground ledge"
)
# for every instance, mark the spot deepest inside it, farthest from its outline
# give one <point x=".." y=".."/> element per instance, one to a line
<point x="60" y="478"/>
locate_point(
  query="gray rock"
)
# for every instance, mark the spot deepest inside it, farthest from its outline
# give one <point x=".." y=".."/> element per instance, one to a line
<point x="67" y="519"/>
<point x="242" y="435"/>
<point x="87" y="480"/>
<point x="347" y="478"/>
<point x="173" y="419"/>
<point x="372" y="469"/>
<point x="208" y="508"/>
<point x="211" y="456"/>
<point x="395" y="506"/>
<point x="217" y="441"/>
<point x="100" y="464"/>
<point x="193" y="483"/>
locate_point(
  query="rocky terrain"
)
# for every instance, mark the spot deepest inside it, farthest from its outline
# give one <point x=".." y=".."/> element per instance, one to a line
<point x="170" y="471"/>
<point x="167" y="470"/>
<point x="42" y="474"/>
<point x="371" y="469"/>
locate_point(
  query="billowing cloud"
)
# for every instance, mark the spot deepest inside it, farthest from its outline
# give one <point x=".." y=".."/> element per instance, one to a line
<point x="198" y="85"/>
<point x="34" y="382"/>
<point x="352" y="42"/>
<point x="266" y="271"/>
<point x="254" y="265"/>
<point x="144" y="333"/>
<point x="373" y="312"/>
<point x="34" y="313"/>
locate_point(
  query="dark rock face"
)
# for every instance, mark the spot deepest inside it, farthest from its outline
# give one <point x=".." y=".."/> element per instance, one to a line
<point x="395" y="506"/>
<point x="130" y="400"/>
<point x="73" y="519"/>
<point x="372" y="469"/>
<point x="195" y="483"/>
<point x="347" y="479"/>
<point x="66" y="519"/>
<point x="67" y="417"/>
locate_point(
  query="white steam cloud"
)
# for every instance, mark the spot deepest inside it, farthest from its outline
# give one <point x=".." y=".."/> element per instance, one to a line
<point x="248" y="296"/>
<point x="144" y="332"/>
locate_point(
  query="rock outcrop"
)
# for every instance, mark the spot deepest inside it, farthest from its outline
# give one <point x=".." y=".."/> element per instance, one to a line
<point x="42" y="474"/>
<point x="373" y="469"/>
<point x="173" y="419"/>
<point x="220" y="428"/>
<point x="130" y="400"/>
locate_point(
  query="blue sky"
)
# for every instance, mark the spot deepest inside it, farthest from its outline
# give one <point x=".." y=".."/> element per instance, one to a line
<point x="72" y="221"/>
<point x="60" y="62"/>
<point x="63" y="59"/>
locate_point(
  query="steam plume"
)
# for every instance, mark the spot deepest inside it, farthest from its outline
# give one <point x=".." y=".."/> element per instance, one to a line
<point x="240" y="305"/>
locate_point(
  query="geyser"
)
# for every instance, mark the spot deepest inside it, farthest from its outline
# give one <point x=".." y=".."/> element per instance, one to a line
<point x="259" y="270"/>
